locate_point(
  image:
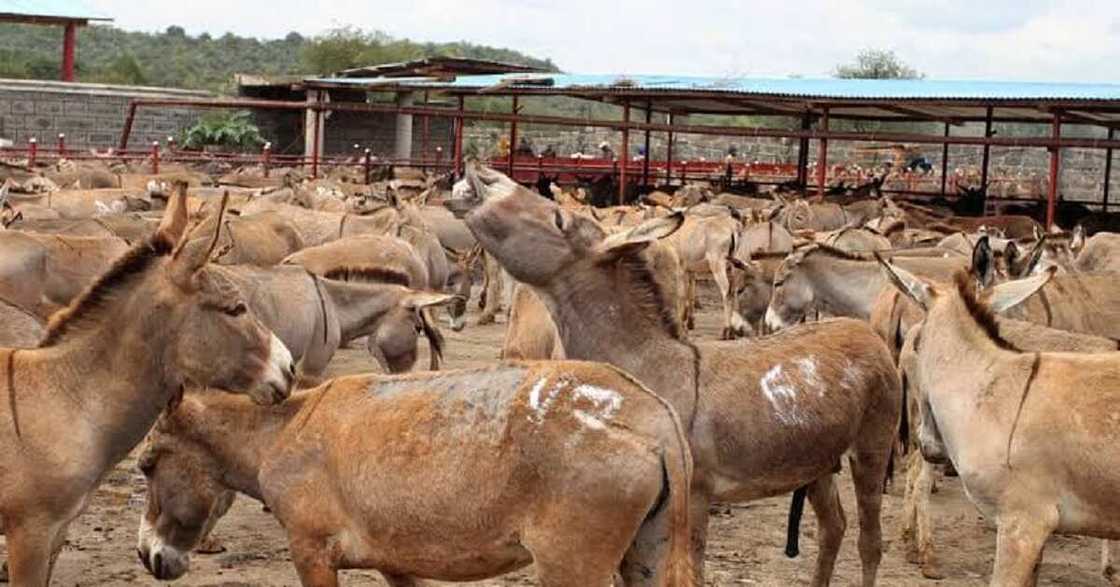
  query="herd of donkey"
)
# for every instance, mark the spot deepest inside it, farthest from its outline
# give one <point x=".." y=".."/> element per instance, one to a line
<point x="853" y="325"/>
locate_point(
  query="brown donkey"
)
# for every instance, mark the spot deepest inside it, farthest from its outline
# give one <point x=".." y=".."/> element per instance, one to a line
<point x="764" y="417"/>
<point x="1031" y="433"/>
<point x="454" y="476"/>
<point x="107" y="366"/>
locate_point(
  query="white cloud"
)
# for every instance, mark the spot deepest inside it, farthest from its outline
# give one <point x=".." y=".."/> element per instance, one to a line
<point x="998" y="39"/>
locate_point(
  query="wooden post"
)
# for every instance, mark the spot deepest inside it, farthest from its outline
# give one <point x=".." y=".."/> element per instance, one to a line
<point x="624" y="155"/>
<point x="458" y="147"/>
<point x="513" y="138"/>
<point x="987" y="150"/>
<point x="266" y="158"/>
<point x="1107" y="170"/>
<point x="645" y="160"/>
<point x="1055" y="170"/>
<point x="822" y="154"/>
<point x="669" y="151"/>
<point x="155" y="157"/>
<point x="945" y="161"/>
<point x="803" y="152"/>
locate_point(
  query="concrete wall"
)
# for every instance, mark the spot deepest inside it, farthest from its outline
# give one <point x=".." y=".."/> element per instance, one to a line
<point x="91" y="115"/>
<point x="372" y="130"/>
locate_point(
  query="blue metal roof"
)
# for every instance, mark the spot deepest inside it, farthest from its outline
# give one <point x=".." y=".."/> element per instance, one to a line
<point x="54" y="9"/>
<point x="827" y="88"/>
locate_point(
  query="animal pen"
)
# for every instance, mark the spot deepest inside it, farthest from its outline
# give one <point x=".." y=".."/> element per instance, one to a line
<point x="820" y="110"/>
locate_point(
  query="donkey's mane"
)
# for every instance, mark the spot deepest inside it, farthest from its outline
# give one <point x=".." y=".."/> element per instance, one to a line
<point x="980" y="312"/>
<point x="647" y="294"/>
<point x="368" y="273"/>
<point x="832" y="251"/>
<point x="132" y="264"/>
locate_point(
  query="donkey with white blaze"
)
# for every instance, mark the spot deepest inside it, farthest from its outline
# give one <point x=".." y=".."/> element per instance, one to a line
<point x="1031" y="433"/>
<point x="764" y="417"/>
<point x="455" y="476"/>
<point x="108" y="364"/>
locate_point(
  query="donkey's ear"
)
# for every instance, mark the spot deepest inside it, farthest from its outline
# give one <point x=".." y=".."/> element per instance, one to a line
<point x="644" y="233"/>
<point x="173" y="225"/>
<point x="1034" y="262"/>
<point x="983" y="265"/>
<point x="1007" y="295"/>
<point x="423" y="299"/>
<point x="1077" y="240"/>
<point x="197" y="249"/>
<point x="1011" y="255"/>
<point x="907" y="283"/>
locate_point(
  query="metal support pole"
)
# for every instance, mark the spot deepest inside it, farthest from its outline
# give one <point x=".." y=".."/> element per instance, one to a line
<point x="1055" y="171"/>
<point x="127" y="130"/>
<point x="987" y="149"/>
<point x="458" y="147"/>
<point x="624" y="156"/>
<point x="316" y="137"/>
<point x="367" y="165"/>
<point x="171" y="144"/>
<point x="803" y="152"/>
<point x="61" y="145"/>
<point x="822" y="156"/>
<point x="69" y="46"/>
<point x="155" y="157"/>
<point x="669" y="151"/>
<point x="945" y="162"/>
<point x="513" y="137"/>
<point x="1107" y="170"/>
<point x="424" y="139"/>
<point x="646" y="158"/>
<point x="32" y="151"/>
<point x="266" y="158"/>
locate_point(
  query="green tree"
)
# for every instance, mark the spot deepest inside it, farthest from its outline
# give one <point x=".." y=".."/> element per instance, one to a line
<point x="122" y="70"/>
<point x="877" y="64"/>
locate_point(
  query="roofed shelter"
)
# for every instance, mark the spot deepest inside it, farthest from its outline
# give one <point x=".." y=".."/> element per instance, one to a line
<point x="69" y="14"/>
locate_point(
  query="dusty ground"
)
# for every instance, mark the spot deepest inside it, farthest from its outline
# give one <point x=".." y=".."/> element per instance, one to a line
<point x="745" y="547"/>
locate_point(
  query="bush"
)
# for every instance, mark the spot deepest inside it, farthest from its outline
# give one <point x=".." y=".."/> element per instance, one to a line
<point x="231" y="130"/>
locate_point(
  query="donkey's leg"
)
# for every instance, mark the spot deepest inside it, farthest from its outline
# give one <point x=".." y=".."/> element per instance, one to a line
<point x="927" y="557"/>
<point x="493" y="291"/>
<point x="31" y="546"/>
<point x="831" y="524"/>
<point x="690" y="298"/>
<point x="1019" y="542"/>
<point x="698" y="503"/>
<point x="733" y="324"/>
<point x="868" y="470"/>
<point x="312" y="563"/>
<point x="1107" y="569"/>
<point x="910" y="506"/>
<point x="403" y="581"/>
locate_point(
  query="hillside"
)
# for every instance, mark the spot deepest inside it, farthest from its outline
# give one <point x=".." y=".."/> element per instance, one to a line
<point x="172" y="58"/>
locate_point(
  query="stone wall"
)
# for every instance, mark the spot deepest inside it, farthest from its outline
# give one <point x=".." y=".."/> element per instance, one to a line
<point x="91" y="115"/>
<point x="1019" y="172"/>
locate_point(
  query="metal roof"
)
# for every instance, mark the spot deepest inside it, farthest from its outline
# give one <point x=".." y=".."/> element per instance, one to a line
<point x="47" y="10"/>
<point x="437" y="66"/>
<point x="941" y="100"/>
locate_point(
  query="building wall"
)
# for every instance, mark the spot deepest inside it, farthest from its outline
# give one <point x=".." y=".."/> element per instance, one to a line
<point x="91" y="115"/>
<point x="370" y="130"/>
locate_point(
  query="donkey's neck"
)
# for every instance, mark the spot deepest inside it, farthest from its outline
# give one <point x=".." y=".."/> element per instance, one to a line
<point x="845" y="287"/>
<point x="359" y="307"/>
<point x="110" y="376"/>
<point x="598" y="320"/>
<point x="238" y="434"/>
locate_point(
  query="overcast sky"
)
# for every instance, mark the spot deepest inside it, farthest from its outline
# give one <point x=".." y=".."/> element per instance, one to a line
<point x="1075" y="40"/>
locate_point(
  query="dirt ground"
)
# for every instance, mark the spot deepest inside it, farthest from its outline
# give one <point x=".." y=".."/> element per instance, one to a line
<point x="745" y="540"/>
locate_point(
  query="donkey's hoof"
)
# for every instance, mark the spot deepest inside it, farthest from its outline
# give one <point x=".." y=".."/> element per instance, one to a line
<point x="4" y="572"/>
<point x="486" y="319"/>
<point x="932" y="570"/>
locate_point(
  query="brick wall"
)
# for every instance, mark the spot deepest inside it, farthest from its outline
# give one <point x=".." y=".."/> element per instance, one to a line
<point x="373" y="130"/>
<point x="91" y="115"/>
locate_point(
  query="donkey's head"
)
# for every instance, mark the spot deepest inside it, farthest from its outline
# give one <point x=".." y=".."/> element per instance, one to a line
<point x="185" y="494"/>
<point x="537" y="241"/>
<point x="162" y="301"/>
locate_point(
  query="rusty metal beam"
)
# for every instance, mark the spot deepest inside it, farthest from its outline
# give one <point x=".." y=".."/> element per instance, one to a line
<point x="930" y="116"/>
<point x="987" y="150"/>
<point x="624" y="156"/>
<point x="1055" y="171"/>
<point x="1107" y="170"/>
<point x="1085" y="143"/>
<point x="945" y="161"/>
<point x="822" y="156"/>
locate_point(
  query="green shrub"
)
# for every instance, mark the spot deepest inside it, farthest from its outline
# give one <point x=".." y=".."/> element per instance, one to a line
<point x="231" y="130"/>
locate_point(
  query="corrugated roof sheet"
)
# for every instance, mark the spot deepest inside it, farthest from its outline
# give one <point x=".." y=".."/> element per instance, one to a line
<point x="789" y="87"/>
<point x="60" y="9"/>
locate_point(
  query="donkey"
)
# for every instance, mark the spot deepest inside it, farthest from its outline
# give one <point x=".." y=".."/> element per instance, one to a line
<point x="820" y="277"/>
<point x="106" y="367"/>
<point x="1029" y="432"/>
<point x="522" y="462"/>
<point x="18" y="327"/>
<point x="764" y="418"/>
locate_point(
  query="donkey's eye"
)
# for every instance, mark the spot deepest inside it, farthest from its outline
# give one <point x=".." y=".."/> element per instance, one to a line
<point x="236" y="310"/>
